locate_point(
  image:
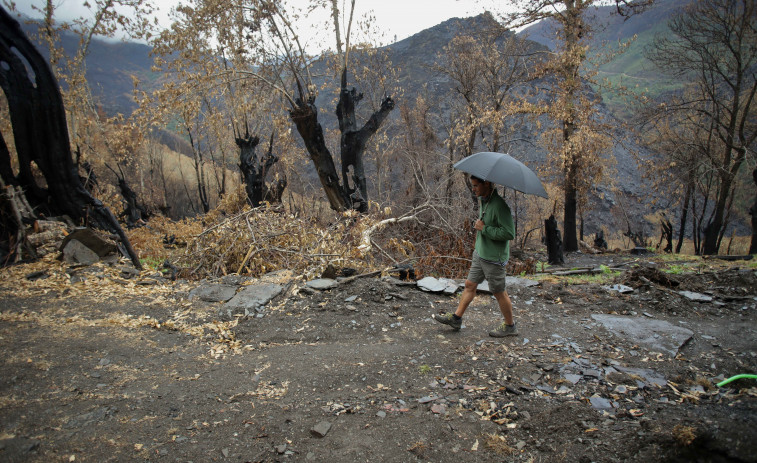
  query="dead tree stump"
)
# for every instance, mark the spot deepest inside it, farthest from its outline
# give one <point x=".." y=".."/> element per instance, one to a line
<point x="554" y="242"/>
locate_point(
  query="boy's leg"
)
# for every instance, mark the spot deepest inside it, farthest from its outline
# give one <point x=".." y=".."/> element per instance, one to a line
<point x="505" y="306"/>
<point x="469" y="292"/>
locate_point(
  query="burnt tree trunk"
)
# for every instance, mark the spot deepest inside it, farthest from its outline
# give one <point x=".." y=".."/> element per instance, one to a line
<point x="344" y="195"/>
<point x="199" y="164"/>
<point x="684" y="216"/>
<point x="571" y="208"/>
<point x="41" y="135"/>
<point x="599" y="240"/>
<point x="666" y="234"/>
<point x="753" y="213"/>
<point x="135" y="213"/>
<point x="354" y="139"/>
<point x="554" y="242"/>
<point x="254" y="171"/>
<point x="305" y="117"/>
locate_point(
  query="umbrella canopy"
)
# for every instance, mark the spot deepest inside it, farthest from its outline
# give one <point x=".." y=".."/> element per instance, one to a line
<point x="502" y="169"/>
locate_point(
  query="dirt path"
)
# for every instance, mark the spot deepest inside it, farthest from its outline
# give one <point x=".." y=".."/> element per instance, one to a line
<point x="107" y="370"/>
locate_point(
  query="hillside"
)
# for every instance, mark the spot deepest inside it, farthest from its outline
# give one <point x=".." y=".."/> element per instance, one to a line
<point x="630" y="69"/>
<point x="110" y="67"/>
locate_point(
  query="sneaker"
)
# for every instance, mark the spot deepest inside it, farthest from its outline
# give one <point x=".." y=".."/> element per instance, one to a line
<point x="504" y="330"/>
<point x="448" y="319"/>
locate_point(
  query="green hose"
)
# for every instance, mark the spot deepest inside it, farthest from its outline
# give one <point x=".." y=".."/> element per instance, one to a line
<point x="734" y="378"/>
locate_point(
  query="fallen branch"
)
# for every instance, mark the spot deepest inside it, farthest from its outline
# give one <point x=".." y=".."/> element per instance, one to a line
<point x="363" y="275"/>
<point x="365" y="240"/>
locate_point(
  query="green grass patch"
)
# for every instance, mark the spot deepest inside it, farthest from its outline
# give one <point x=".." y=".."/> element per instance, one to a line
<point x="152" y="262"/>
<point x="675" y="269"/>
<point x="586" y="279"/>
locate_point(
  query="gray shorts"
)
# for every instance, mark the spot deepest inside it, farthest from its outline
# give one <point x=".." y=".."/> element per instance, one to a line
<point x="481" y="270"/>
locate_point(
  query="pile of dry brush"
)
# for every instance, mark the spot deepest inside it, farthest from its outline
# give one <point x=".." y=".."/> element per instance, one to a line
<point x="237" y="239"/>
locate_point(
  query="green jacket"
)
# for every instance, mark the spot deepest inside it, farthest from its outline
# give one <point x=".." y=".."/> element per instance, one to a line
<point x="493" y="242"/>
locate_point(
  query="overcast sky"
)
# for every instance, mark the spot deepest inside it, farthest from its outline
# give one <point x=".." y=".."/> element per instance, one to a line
<point x="395" y="18"/>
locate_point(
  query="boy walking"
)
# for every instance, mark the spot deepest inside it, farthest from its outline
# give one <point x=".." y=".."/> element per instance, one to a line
<point x="495" y="230"/>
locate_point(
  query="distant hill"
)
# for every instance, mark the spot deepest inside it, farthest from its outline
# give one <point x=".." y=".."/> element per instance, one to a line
<point x="110" y="67"/>
<point x="630" y="69"/>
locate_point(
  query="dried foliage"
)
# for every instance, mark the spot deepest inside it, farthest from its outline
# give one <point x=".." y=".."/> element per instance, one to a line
<point x="684" y="435"/>
<point x="237" y="239"/>
<point x="497" y="444"/>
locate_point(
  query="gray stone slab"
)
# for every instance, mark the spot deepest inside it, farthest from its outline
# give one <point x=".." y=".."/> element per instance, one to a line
<point x="213" y="292"/>
<point x="320" y="429"/>
<point x="522" y="282"/>
<point x="438" y="285"/>
<point x="509" y="282"/>
<point x="484" y="287"/>
<point x="651" y="377"/>
<point x="600" y="403"/>
<point x="696" y="297"/>
<point x="235" y="280"/>
<point x="657" y="335"/>
<point x="91" y="240"/>
<point x="253" y="297"/>
<point x="322" y="283"/>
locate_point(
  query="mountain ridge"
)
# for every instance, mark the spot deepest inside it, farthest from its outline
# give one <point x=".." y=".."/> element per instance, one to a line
<point x="111" y="64"/>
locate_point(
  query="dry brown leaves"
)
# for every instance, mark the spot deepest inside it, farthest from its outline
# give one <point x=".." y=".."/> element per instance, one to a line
<point x="56" y="280"/>
<point x="235" y="239"/>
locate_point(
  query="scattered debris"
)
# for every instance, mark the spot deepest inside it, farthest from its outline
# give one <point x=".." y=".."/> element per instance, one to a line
<point x="622" y="289"/>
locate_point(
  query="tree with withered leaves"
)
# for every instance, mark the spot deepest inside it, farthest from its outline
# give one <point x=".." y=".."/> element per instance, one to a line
<point x="576" y="140"/>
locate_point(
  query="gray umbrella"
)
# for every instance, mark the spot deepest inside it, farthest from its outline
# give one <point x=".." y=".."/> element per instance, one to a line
<point x="502" y="169"/>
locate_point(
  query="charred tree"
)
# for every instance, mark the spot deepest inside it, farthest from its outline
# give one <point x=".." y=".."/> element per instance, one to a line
<point x="352" y="192"/>
<point x="40" y="133"/>
<point x="353" y="141"/>
<point x="666" y="234"/>
<point x="135" y="214"/>
<point x="255" y="169"/>
<point x="199" y="164"/>
<point x="554" y="241"/>
<point x="304" y="114"/>
<point x="599" y="240"/>
<point x="753" y="213"/>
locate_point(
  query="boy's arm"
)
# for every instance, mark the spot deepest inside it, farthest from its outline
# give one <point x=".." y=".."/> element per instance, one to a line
<point x="504" y="230"/>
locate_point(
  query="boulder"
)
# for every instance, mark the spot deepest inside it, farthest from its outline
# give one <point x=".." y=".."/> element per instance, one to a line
<point x="74" y="252"/>
<point x="92" y="240"/>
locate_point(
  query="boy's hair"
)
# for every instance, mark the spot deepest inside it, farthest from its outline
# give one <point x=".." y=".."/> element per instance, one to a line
<point x="479" y="180"/>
